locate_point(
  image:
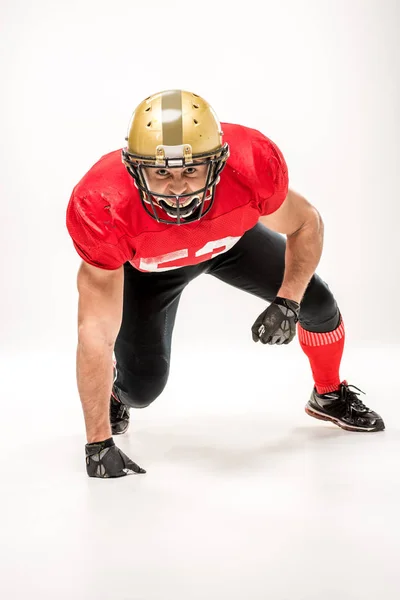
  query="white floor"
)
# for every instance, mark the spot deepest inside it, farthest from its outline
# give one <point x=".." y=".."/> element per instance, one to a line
<point x="245" y="496"/>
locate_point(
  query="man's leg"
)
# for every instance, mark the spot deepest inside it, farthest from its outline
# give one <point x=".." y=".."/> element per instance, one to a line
<point x="256" y="264"/>
<point x="143" y="345"/>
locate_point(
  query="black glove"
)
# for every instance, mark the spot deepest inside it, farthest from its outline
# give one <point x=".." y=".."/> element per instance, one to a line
<point x="277" y="324"/>
<point x="105" y="460"/>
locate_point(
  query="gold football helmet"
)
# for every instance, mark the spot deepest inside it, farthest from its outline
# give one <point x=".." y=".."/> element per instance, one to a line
<point x="174" y="129"/>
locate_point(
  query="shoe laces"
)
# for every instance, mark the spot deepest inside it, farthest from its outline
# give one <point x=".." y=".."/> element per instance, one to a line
<point x="352" y="398"/>
<point x="117" y="410"/>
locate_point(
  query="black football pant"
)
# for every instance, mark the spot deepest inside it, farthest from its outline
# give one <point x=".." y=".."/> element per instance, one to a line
<point x="255" y="265"/>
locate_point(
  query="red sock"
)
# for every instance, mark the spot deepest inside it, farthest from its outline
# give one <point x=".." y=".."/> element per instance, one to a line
<point x="324" y="351"/>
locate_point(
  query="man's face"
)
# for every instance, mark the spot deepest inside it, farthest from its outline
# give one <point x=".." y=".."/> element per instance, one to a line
<point x="176" y="181"/>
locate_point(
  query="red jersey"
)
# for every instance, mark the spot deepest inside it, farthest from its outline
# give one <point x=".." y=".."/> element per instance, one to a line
<point x="109" y="226"/>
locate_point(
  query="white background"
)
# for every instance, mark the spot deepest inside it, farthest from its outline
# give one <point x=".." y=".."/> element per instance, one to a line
<point x="321" y="79"/>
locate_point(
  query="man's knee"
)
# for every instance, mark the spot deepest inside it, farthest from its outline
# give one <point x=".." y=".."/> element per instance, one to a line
<point x="140" y="392"/>
<point x="319" y="311"/>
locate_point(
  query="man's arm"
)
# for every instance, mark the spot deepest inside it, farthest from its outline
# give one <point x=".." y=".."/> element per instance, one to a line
<point x="99" y="321"/>
<point x="304" y="228"/>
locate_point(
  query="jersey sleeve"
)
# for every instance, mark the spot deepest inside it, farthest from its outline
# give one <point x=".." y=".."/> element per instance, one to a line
<point x="273" y="177"/>
<point x="88" y="239"/>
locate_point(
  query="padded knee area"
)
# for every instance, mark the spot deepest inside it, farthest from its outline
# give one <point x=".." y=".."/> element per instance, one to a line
<point x="140" y="392"/>
<point x="140" y="381"/>
<point x="319" y="311"/>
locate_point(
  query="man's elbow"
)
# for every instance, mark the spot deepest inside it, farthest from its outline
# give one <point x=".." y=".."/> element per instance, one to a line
<point x="315" y="219"/>
<point x="311" y="220"/>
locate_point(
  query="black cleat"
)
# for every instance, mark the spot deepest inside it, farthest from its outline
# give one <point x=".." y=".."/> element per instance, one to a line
<point x="119" y="413"/>
<point x="345" y="409"/>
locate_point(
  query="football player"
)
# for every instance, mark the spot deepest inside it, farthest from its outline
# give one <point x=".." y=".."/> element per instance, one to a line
<point x="183" y="198"/>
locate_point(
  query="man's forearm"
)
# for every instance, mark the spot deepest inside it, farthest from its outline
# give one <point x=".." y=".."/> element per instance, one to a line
<point x="94" y="378"/>
<point x="303" y="253"/>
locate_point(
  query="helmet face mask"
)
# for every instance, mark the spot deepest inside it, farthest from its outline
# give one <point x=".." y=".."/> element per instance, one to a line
<point x="176" y="209"/>
<point x="198" y="142"/>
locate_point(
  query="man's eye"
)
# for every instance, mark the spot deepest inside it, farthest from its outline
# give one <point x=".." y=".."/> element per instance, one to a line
<point x="190" y="170"/>
<point x="162" y="172"/>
